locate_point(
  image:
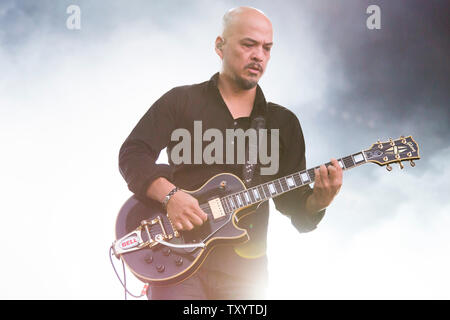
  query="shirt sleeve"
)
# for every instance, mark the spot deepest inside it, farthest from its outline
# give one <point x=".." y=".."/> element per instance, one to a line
<point x="141" y="149"/>
<point x="292" y="159"/>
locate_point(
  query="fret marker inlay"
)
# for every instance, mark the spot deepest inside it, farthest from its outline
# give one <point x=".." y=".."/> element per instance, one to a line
<point x="305" y="177"/>
<point x="272" y="188"/>
<point x="358" y="157"/>
<point x="290" y="182"/>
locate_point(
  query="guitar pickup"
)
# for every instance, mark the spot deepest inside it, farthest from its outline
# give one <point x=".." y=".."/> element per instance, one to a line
<point x="216" y="208"/>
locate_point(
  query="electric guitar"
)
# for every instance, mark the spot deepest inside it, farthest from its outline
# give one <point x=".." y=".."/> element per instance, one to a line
<point x="158" y="254"/>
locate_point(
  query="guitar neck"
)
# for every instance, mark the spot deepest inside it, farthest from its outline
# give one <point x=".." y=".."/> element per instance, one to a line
<point x="271" y="189"/>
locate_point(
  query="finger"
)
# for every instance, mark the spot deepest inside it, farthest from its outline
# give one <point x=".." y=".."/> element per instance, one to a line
<point x="187" y="225"/>
<point x="194" y="218"/>
<point x="324" y="176"/>
<point x="338" y="168"/>
<point x="195" y="206"/>
<point x="337" y="177"/>
<point x="317" y="181"/>
<point x="335" y="163"/>
<point x="201" y="213"/>
<point x="178" y="226"/>
<point x="332" y="173"/>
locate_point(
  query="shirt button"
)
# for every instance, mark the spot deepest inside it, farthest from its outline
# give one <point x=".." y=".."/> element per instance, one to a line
<point x="235" y="123"/>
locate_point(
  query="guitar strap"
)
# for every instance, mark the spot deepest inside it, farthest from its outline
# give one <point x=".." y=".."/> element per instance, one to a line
<point x="249" y="168"/>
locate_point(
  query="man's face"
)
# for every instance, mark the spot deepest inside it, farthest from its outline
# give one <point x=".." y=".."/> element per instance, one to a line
<point x="246" y="50"/>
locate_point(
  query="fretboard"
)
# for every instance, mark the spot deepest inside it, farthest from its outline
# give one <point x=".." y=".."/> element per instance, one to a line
<point x="271" y="189"/>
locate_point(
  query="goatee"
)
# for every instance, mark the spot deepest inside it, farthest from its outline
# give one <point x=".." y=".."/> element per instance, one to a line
<point x="246" y="84"/>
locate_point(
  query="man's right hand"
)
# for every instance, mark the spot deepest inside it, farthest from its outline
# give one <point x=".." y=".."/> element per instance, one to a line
<point x="184" y="211"/>
<point x="182" y="208"/>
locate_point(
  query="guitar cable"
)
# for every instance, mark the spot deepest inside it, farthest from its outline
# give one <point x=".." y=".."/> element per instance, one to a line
<point x="124" y="283"/>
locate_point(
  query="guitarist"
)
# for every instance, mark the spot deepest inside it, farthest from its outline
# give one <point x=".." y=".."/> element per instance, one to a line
<point x="229" y="100"/>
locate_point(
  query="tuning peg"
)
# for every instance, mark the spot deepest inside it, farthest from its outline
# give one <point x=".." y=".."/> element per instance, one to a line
<point x="400" y="164"/>
<point x="392" y="143"/>
<point x="388" y="168"/>
<point x="412" y="163"/>
<point x="380" y="145"/>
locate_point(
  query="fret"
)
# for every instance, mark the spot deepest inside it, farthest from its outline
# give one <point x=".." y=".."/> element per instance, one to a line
<point x="261" y="192"/>
<point x="278" y="187"/>
<point x="242" y="196"/>
<point x="297" y="179"/>
<point x="266" y="190"/>
<point x="364" y="155"/>
<point x="290" y="182"/>
<point x="233" y="205"/>
<point x="225" y="204"/>
<point x="312" y="174"/>
<point x="307" y="176"/>
<point x="256" y="194"/>
<point x="251" y="195"/>
<point x="228" y="202"/>
<point x="341" y="163"/>
<point x="247" y="197"/>
<point x="271" y="187"/>
<point x="283" y="184"/>
<point x="358" y="158"/>
<point x="238" y="200"/>
<point x="348" y="161"/>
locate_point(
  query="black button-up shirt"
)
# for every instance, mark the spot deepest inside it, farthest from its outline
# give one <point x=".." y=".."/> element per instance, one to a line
<point x="179" y="108"/>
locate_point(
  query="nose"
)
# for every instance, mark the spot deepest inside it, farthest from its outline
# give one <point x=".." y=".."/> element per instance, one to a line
<point x="257" y="54"/>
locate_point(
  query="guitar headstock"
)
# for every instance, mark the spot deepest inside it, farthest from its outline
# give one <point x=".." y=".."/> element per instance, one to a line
<point x="399" y="150"/>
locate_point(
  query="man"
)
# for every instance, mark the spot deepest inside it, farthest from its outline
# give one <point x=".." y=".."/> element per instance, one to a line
<point x="230" y="99"/>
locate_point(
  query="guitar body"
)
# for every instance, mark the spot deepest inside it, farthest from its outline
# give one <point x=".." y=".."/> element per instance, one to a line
<point x="161" y="265"/>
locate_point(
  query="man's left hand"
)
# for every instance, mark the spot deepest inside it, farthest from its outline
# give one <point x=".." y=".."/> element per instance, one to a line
<point x="328" y="182"/>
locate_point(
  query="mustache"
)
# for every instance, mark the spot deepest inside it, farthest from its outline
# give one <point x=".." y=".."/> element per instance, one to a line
<point x="254" y="66"/>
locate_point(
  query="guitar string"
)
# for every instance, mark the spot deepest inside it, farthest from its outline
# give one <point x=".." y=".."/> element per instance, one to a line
<point x="279" y="185"/>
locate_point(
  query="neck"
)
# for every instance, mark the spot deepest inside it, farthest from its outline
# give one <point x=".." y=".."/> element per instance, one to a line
<point x="274" y="188"/>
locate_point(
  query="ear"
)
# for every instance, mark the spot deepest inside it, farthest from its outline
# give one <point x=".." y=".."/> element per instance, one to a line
<point x="219" y="46"/>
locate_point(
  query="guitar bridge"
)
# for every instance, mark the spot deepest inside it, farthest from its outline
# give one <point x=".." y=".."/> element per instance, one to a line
<point x="147" y="225"/>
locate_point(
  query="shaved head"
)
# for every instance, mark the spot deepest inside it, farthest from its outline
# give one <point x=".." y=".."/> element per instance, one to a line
<point x="244" y="45"/>
<point x="236" y="15"/>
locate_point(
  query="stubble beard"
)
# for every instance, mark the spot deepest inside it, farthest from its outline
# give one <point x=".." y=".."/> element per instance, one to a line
<point x="246" y="84"/>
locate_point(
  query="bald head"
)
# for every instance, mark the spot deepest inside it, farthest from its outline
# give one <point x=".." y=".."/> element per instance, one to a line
<point x="237" y="16"/>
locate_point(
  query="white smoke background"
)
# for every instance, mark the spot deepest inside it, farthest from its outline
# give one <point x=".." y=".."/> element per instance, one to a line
<point x="68" y="99"/>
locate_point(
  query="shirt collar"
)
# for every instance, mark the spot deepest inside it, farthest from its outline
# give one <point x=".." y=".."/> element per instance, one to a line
<point x="260" y="105"/>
